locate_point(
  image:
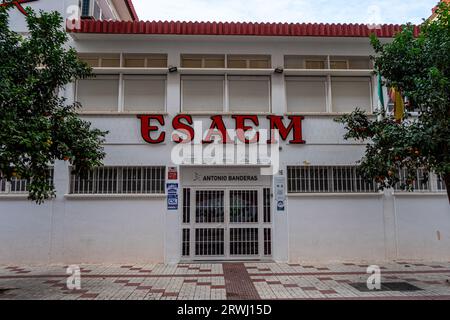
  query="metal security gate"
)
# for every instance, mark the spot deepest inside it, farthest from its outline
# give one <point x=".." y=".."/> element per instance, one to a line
<point x="226" y="224"/>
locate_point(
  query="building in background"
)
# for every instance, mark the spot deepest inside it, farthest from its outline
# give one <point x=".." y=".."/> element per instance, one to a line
<point x="142" y="206"/>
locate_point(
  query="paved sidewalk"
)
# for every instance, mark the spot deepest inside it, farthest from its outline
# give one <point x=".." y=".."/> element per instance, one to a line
<point x="226" y="281"/>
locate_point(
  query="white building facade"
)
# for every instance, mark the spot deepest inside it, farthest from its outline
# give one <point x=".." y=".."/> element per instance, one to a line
<point x="297" y="199"/>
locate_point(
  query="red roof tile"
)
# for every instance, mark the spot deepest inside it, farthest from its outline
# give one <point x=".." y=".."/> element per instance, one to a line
<point x="237" y="29"/>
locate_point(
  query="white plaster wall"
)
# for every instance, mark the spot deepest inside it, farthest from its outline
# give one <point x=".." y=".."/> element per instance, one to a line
<point x="113" y="231"/>
<point x="335" y="229"/>
<point x="25" y="232"/>
<point x="423" y="227"/>
<point x="84" y="231"/>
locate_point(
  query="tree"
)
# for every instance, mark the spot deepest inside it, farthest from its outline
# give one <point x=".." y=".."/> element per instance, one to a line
<point x="418" y="67"/>
<point x="38" y="126"/>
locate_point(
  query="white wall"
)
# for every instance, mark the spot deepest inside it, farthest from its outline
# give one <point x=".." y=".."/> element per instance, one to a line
<point x="337" y="228"/>
<point x="94" y="231"/>
<point x="423" y="230"/>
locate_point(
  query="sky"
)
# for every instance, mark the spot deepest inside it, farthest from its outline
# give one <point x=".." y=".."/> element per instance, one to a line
<point x="328" y="11"/>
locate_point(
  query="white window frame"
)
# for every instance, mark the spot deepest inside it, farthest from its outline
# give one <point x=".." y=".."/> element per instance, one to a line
<point x="329" y="94"/>
<point x="249" y="78"/>
<point x="24" y="182"/>
<point x="226" y="95"/>
<point x="305" y="78"/>
<point x="162" y="170"/>
<point x="143" y="77"/>
<point x="121" y="95"/>
<point x="349" y="78"/>
<point x="203" y="78"/>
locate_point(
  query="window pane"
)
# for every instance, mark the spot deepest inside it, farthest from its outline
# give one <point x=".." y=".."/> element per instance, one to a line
<point x="145" y="61"/>
<point x="203" y="93"/>
<point x="339" y="64"/>
<point x="350" y="62"/>
<point x="157" y="61"/>
<point x="240" y="64"/>
<point x="306" y="95"/>
<point x="305" y="62"/>
<point x="119" y="180"/>
<point x="351" y="93"/>
<point x="314" y="64"/>
<point x="110" y="62"/>
<point x="249" y="61"/>
<point x="144" y="93"/>
<point x="327" y="179"/>
<point x="259" y="64"/>
<point x="215" y="62"/>
<point x="92" y="62"/>
<point x="99" y="94"/>
<point x="249" y="94"/>
<point x="293" y="62"/>
<point x="202" y="61"/>
<point x="192" y="63"/>
<point x="134" y="62"/>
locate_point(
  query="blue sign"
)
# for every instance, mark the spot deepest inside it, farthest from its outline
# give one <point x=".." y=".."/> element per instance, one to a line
<point x="172" y="196"/>
<point x="172" y="202"/>
<point x="280" y="206"/>
<point x="172" y="188"/>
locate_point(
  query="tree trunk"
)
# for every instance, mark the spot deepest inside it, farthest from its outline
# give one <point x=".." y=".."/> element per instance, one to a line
<point x="447" y="185"/>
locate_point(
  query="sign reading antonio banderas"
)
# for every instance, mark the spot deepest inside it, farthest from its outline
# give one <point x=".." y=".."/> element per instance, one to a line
<point x="172" y="196"/>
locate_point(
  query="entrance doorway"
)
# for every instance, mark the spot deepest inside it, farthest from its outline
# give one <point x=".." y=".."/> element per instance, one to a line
<point x="227" y="224"/>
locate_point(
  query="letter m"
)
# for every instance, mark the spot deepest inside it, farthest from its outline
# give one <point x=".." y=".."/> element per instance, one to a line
<point x="295" y="125"/>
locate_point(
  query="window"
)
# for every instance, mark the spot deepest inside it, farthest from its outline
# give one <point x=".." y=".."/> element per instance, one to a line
<point x="338" y="64"/>
<point x="186" y="205"/>
<point x="349" y="93"/>
<point x="315" y="64"/>
<point x="186" y="243"/>
<point x="249" y="62"/>
<point x="202" y="61"/>
<point x="86" y="8"/>
<point x="99" y="94"/>
<point x="351" y="62"/>
<point x="267" y="241"/>
<point x="305" y="62"/>
<point x="91" y="8"/>
<point x="144" y="93"/>
<point x="306" y="94"/>
<point x="420" y="181"/>
<point x="113" y="60"/>
<point x="321" y="62"/>
<point x="441" y="183"/>
<point x="249" y="93"/>
<point x="101" y="60"/>
<point x="145" y="61"/>
<point x="327" y="179"/>
<point x="119" y="180"/>
<point x="202" y="93"/>
<point x="267" y="205"/>
<point x="20" y="186"/>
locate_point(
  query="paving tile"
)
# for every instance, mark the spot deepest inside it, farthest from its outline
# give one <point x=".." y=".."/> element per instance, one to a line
<point x="221" y="281"/>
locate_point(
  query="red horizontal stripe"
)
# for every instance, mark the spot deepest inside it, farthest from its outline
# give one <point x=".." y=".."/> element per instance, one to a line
<point x="237" y="28"/>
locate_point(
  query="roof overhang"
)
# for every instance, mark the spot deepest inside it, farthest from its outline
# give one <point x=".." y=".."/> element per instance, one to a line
<point x="237" y="29"/>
